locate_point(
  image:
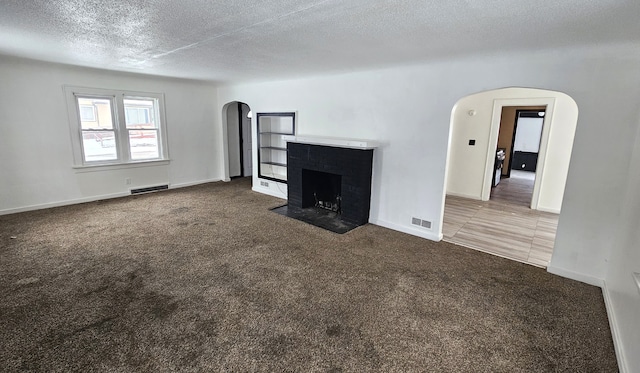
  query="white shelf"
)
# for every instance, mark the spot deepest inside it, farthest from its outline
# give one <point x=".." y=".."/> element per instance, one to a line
<point x="333" y="141"/>
<point x="272" y="149"/>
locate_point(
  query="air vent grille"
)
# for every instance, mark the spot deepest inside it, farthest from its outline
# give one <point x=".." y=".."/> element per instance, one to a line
<point x="421" y="222"/>
<point x="149" y="189"/>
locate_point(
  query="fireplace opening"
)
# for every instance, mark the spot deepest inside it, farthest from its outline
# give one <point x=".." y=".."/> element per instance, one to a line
<point x="322" y="190"/>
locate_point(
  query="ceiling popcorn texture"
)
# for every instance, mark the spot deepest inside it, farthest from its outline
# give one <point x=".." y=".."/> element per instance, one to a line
<point x="272" y="39"/>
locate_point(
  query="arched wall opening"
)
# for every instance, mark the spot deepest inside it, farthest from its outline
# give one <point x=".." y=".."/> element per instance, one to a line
<point x="473" y="138"/>
<point x="237" y="140"/>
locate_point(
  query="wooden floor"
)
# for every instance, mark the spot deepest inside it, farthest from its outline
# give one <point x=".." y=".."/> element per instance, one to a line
<point x="504" y="225"/>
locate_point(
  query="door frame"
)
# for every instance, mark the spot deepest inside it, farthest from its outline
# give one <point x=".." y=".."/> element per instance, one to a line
<point x="498" y="104"/>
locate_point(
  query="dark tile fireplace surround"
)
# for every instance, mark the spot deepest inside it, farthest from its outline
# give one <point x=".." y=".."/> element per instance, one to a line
<point x="328" y="186"/>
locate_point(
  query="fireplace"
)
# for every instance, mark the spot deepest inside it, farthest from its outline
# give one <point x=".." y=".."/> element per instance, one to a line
<point x="329" y="186"/>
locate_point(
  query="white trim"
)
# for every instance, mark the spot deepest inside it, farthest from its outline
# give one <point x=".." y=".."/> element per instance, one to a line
<point x="332" y="141"/>
<point x="192" y="183"/>
<point x="615" y="330"/>
<point x="64" y="203"/>
<point x="95" y="198"/>
<point x="576" y="276"/>
<point x="109" y="167"/>
<point x="542" y="153"/>
<point x="429" y="235"/>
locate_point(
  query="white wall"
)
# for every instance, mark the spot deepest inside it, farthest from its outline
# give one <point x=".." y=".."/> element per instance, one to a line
<point x="408" y="110"/>
<point x="35" y="141"/>
<point x="468" y="175"/>
<point x="622" y="293"/>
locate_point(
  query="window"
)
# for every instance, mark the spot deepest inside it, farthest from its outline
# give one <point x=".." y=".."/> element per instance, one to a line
<point x="87" y="113"/>
<point x="116" y="127"/>
<point x="136" y="115"/>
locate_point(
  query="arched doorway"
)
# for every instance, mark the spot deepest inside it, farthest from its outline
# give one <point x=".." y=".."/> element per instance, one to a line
<point x="236" y="120"/>
<point x="468" y="218"/>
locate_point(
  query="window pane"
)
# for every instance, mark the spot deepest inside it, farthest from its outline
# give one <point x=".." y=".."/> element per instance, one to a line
<point x="144" y="144"/>
<point x="95" y="113"/>
<point x="87" y="113"/>
<point x="140" y="113"/>
<point x="99" y="146"/>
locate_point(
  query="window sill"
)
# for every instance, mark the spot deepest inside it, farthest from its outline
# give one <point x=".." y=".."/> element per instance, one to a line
<point x="119" y="166"/>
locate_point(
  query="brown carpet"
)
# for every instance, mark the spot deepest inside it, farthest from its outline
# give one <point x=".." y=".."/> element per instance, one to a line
<point x="206" y="278"/>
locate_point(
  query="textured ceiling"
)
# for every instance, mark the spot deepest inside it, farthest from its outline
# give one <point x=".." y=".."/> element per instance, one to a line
<point x="270" y="39"/>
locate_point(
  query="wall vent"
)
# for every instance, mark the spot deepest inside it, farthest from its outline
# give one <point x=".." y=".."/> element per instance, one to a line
<point x="264" y="183"/>
<point x="422" y="223"/>
<point x="149" y="189"/>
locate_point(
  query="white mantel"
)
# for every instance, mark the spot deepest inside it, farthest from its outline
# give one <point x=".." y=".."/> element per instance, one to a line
<point x="333" y="141"/>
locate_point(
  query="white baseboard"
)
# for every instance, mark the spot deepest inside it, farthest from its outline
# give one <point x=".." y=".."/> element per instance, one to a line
<point x="611" y="316"/>
<point x="269" y="192"/>
<point x="192" y="183"/>
<point x="615" y="330"/>
<point x="576" y="276"/>
<point x="63" y="203"/>
<point x="76" y="201"/>
<point x="429" y="235"/>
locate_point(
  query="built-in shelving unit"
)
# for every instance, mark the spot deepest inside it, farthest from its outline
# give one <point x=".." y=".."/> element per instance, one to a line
<point x="272" y="148"/>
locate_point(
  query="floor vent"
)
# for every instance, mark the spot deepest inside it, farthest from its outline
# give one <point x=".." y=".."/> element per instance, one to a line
<point x="422" y="223"/>
<point x="149" y="189"/>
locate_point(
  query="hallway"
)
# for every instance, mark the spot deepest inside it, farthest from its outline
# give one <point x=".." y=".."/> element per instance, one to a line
<point x="504" y="225"/>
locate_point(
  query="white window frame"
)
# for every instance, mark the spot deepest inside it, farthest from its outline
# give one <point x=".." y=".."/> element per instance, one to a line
<point x="121" y="132"/>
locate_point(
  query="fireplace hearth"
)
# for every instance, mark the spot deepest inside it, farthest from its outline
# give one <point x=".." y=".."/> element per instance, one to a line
<point x="328" y="186"/>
